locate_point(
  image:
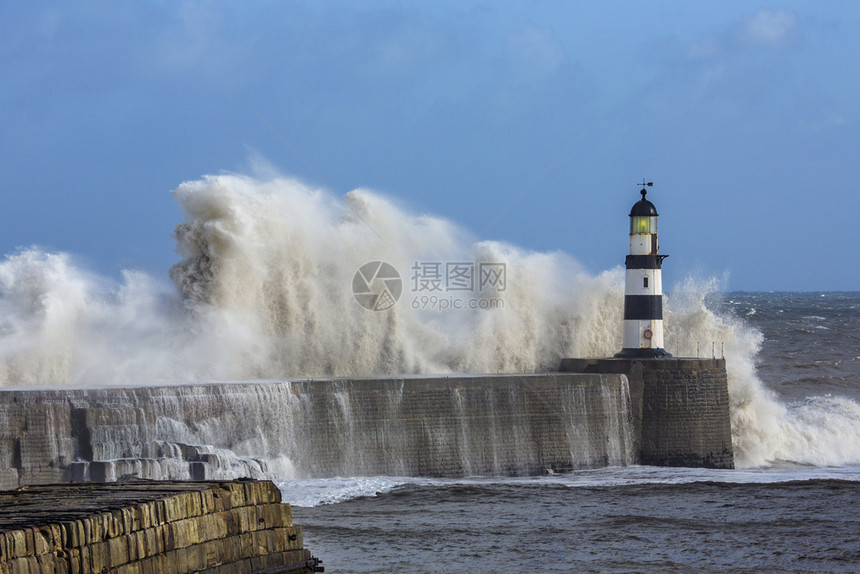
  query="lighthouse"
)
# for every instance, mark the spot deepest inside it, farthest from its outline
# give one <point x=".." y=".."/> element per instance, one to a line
<point x="643" y="285"/>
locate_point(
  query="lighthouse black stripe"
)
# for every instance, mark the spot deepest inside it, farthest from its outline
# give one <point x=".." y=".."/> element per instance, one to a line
<point x="644" y="261"/>
<point x="639" y="307"/>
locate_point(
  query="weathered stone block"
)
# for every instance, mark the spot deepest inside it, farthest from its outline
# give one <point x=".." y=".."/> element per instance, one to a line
<point x="114" y="539"/>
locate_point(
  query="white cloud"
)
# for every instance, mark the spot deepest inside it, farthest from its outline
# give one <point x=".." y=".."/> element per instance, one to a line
<point x="769" y="28"/>
<point x="824" y="120"/>
<point x="536" y="53"/>
<point x="405" y="50"/>
<point x="706" y="49"/>
<point x="194" y="32"/>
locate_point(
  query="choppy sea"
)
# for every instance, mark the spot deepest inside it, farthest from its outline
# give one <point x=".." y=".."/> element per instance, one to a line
<point x="780" y="516"/>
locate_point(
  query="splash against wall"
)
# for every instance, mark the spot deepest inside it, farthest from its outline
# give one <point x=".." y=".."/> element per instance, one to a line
<point x="264" y="290"/>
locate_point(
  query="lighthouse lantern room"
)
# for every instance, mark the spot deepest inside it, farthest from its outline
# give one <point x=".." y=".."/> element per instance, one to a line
<point x="643" y="285"/>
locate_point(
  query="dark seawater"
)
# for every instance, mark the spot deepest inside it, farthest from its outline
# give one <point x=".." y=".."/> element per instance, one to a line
<point x="811" y="340"/>
<point x="809" y="525"/>
<point x="788" y="517"/>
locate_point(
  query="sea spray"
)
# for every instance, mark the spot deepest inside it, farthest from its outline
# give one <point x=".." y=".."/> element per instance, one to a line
<point x="264" y="291"/>
<point x="277" y="259"/>
<point x="823" y="431"/>
<point x="61" y="325"/>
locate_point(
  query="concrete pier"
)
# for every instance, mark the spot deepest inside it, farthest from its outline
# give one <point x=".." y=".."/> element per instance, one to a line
<point x="416" y="426"/>
<point x="158" y="527"/>
<point x="600" y="412"/>
<point x="680" y="408"/>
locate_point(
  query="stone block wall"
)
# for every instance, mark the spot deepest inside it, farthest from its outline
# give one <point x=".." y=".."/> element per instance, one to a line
<point x="142" y="527"/>
<point x="600" y="412"/>
<point x="416" y="426"/>
<point x="685" y="414"/>
<point x="512" y="425"/>
<point x="680" y="408"/>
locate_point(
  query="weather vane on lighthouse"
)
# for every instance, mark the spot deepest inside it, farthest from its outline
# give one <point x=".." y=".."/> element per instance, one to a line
<point x="643" y="285"/>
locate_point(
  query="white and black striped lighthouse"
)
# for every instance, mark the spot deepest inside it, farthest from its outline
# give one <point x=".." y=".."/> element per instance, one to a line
<point x="643" y="285"/>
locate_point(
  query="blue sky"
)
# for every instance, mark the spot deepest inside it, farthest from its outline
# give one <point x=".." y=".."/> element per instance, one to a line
<point x="526" y="122"/>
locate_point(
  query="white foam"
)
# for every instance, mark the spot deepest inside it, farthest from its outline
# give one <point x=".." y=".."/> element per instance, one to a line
<point x="319" y="491"/>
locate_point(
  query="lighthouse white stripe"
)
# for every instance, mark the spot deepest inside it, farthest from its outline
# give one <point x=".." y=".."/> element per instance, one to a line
<point x="634" y="282"/>
<point x="634" y="334"/>
<point x="640" y="244"/>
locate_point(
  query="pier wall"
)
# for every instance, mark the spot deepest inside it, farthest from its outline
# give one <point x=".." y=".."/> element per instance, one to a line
<point x="417" y="426"/>
<point x="679" y="407"/>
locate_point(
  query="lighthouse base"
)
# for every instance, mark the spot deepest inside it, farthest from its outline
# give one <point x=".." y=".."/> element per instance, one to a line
<point x="641" y="353"/>
<point x="679" y="408"/>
